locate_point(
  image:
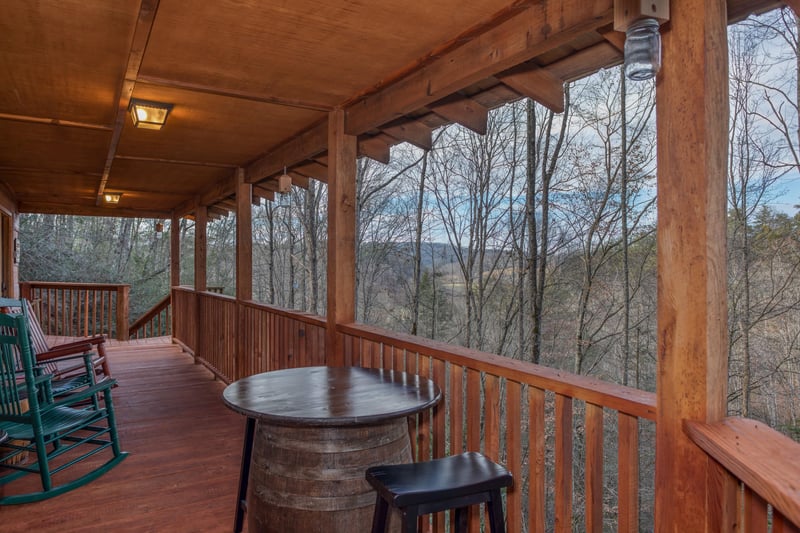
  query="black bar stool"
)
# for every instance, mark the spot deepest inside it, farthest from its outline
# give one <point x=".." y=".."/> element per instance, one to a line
<point x="454" y="482"/>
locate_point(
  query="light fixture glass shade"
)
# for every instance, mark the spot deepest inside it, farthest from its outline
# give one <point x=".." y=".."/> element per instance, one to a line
<point x="149" y="115"/>
<point x="642" y="50"/>
<point x="112" y="197"/>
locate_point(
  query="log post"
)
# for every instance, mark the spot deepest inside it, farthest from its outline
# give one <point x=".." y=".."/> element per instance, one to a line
<point x="200" y="240"/>
<point x="341" y="234"/>
<point x="692" y="493"/>
<point x="123" y="307"/>
<point x="244" y="265"/>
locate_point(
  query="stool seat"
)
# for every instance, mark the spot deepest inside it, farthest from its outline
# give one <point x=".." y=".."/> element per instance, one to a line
<point x="453" y="482"/>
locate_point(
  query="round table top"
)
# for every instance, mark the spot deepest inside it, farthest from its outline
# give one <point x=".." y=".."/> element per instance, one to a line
<point x="330" y="396"/>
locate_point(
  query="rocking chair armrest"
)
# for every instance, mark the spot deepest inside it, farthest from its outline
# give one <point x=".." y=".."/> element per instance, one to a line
<point x="84" y="393"/>
<point x="96" y="340"/>
<point x="74" y="348"/>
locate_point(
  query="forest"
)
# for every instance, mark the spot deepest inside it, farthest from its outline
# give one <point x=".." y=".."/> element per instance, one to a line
<point x="535" y="241"/>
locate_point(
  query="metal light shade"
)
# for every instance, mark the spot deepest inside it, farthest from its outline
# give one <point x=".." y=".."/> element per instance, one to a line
<point x="112" y="197"/>
<point x="284" y="183"/>
<point x="149" y="115"/>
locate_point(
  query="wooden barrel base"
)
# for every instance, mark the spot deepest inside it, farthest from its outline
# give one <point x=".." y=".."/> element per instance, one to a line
<point x="311" y="479"/>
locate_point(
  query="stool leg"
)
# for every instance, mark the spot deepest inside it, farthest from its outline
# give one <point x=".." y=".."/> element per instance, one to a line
<point x="244" y="473"/>
<point x="494" y="508"/>
<point x="461" y="519"/>
<point x="410" y="519"/>
<point x="380" y="515"/>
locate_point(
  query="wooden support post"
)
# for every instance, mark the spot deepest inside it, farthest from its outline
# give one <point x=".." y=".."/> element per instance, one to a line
<point x="341" y="234"/>
<point x="175" y="251"/>
<point x="244" y="237"/>
<point x="244" y="266"/>
<point x="200" y="240"/>
<point x="692" y="111"/>
<point x="123" y="310"/>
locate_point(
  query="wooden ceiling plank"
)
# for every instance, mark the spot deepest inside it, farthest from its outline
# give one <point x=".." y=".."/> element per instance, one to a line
<point x="376" y="149"/>
<point x="541" y="27"/>
<point x="55" y="122"/>
<point x="466" y="112"/>
<point x="308" y="144"/>
<point x="412" y="132"/>
<point x="144" y="24"/>
<point x="538" y="84"/>
<point x="227" y="204"/>
<point x="586" y="62"/>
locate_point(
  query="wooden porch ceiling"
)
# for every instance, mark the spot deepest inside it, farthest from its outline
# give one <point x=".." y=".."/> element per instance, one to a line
<point x="252" y="83"/>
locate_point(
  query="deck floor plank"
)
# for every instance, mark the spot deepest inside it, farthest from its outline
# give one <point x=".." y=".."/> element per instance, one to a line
<point x="185" y="450"/>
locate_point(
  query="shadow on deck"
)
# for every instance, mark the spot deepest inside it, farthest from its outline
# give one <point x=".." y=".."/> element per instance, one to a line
<point x="185" y="450"/>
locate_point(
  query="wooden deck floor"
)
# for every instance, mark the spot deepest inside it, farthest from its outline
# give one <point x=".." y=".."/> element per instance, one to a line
<point x="185" y="449"/>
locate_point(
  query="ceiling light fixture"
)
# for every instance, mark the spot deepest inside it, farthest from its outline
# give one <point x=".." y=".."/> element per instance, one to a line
<point x="642" y="49"/>
<point x="284" y="182"/>
<point x="112" y="197"/>
<point x="149" y="115"/>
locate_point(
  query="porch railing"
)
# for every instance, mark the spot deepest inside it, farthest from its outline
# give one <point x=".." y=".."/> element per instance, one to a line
<point x="554" y="430"/>
<point x="80" y="309"/>
<point x="581" y="449"/>
<point x="156" y="322"/>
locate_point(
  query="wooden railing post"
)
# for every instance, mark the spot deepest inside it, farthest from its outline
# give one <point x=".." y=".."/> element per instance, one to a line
<point x="123" y="306"/>
<point x="25" y="290"/>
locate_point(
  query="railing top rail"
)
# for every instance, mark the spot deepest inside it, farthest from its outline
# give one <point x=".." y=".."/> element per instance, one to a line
<point x="151" y="313"/>
<point x="300" y="316"/>
<point x="70" y="285"/>
<point x="764" y="459"/>
<point x="624" y="399"/>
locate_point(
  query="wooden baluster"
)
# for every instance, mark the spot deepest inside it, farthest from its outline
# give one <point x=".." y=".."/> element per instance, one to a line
<point x="563" y="450"/>
<point x="628" y="473"/>
<point x="536" y="460"/>
<point x="594" y="468"/>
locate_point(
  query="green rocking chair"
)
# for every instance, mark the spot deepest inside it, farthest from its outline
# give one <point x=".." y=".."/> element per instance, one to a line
<point x="60" y="433"/>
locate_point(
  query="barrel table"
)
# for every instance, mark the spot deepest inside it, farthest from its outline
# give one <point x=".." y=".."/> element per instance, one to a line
<point x="314" y="431"/>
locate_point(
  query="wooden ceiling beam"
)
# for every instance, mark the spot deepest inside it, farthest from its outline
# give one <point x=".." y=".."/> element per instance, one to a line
<point x="412" y="132"/>
<point x="55" y="122"/>
<point x="466" y="112"/>
<point x="141" y="34"/>
<point x="298" y="180"/>
<point x="227" y="204"/>
<point x="174" y="161"/>
<point x="217" y="212"/>
<point x="232" y="93"/>
<point x="310" y="143"/>
<point x="312" y="169"/>
<point x="538" y="84"/>
<point x="375" y="148"/>
<point x="586" y="61"/>
<point x="262" y="192"/>
<point x="54" y="208"/>
<point x="542" y="27"/>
